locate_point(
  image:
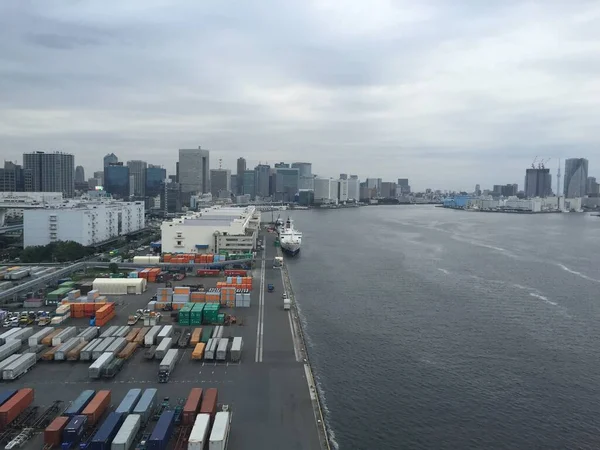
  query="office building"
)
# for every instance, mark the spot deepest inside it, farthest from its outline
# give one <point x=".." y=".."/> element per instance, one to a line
<point x="343" y="176"/>
<point x="304" y="169"/>
<point x="306" y="197"/>
<point x="194" y="171"/>
<point x="79" y="174"/>
<point x="403" y="186"/>
<point x="509" y="190"/>
<point x="375" y="184"/>
<point x="170" y="198"/>
<point x="241" y="170"/>
<point x="342" y="195"/>
<point x="262" y="174"/>
<point x="109" y="159"/>
<point x="88" y="223"/>
<point x="388" y="189"/>
<point x="326" y="191"/>
<point x="248" y="183"/>
<point x="592" y="188"/>
<point x="137" y="170"/>
<point x="212" y="229"/>
<point x="220" y="182"/>
<point x="353" y="188"/>
<point x="99" y="175"/>
<point x="286" y="184"/>
<point x="233" y="182"/>
<point x="51" y="172"/>
<point x="13" y="178"/>
<point x="477" y="190"/>
<point x="575" y="178"/>
<point x="538" y="183"/>
<point x="156" y="176"/>
<point x="117" y="181"/>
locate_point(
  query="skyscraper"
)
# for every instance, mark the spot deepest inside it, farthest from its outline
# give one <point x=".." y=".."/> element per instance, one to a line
<point x="156" y="176"/>
<point x="13" y="178"/>
<point x="51" y="172"/>
<point x="262" y="174"/>
<point x="79" y="174"/>
<point x="592" y="187"/>
<point x="194" y="170"/>
<point x="220" y="182"/>
<point x="249" y="180"/>
<point x="575" y="180"/>
<point x="305" y="176"/>
<point x="286" y="184"/>
<point x="241" y="168"/>
<point x="403" y="186"/>
<point x="109" y="159"/>
<point x="538" y="183"/>
<point x="117" y="181"/>
<point x="354" y="188"/>
<point x="137" y="169"/>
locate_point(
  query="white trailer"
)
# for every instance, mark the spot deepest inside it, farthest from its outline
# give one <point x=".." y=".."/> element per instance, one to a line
<point x="236" y="349"/>
<point x="222" y="349"/>
<point x="209" y="351"/>
<point x="95" y="370"/>
<point x="61" y="353"/>
<point x="18" y="367"/>
<point x="166" y="332"/>
<point x="163" y="347"/>
<point x="220" y="431"/>
<point x="199" y="434"/>
<point x="127" y="433"/>
<point x="22" y="335"/>
<point x="37" y="337"/>
<point x="4" y="336"/>
<point x="86" y="353"/>
<point x="150" y="337"/>
<point x="9" y="348"/>
<point x="8" y="361"/>
<point x="65" y="334"/>
<point x="101" y="348"/>
<point x="167" y="365"/>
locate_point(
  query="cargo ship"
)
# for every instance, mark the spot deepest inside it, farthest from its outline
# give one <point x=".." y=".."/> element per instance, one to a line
<point x="290" y="239"/>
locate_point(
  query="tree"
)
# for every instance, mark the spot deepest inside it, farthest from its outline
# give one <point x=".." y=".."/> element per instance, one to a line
<point x="113" y="267"/>
<point x="61" y="251"/>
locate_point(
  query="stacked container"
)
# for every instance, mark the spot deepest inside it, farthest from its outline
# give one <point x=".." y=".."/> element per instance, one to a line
<point x="105" y="314"/>
<point x="197" y="313"/>
<point x="184" y="314"/>
<point x="228" y="296"/>
<point x="198" y="297"/>
<point x="213" y="295"/>
<point x="181" y="294"/>
<point x="242" y="298"/>
<point x="164" y="295"/>
<point x="93" y="295"/>
<point x="210" y="312"/>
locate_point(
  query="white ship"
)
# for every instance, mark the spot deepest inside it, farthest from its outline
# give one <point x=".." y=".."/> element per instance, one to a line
<point x="290" y="239"/>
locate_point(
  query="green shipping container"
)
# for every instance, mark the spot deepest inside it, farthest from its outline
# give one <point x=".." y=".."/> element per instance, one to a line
<point x="59" y="294"/>
<point x="206" y="334"/>
<point x="196" y="314"/>
<point x="67" y="284"/>
<point x="221" y="318"/>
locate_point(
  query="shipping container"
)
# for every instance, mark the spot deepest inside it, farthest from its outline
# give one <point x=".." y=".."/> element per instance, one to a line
<point x="145" y="406"/>
<point x="15" y="406"/>
<point x="117" y="345"/>
<point x="22" y="335"/>
<point x="79" y="404"/>
<point x="97" y="367"/>
<point x="9" y="348"/>
<point x="53" y="432"/>
<point x="102" y="439"/>
<point x="209" y="402"/>
<point x="6" y="394"/>
<point x="139" y="338"/>
<point x="166" y="332"/>
<point x="222" y="349"/>
<point x="122" y="331"/>
<point x="70" y="344"/>
<point x="191" y="406"/>
<point x="127" y="433"/>
<point x="163" y="432"/>
<point x="150" y="338"/>
<point x="236" y="349"/>
<point x="120" y="286"/>
<point x="198" y="352"/>
<point x="88" y="334"/>
<point x="211" y="349"/>
<point x="36" y="338"/>
<point x="163" y="347"/>
<point x="64" y="335"/>
<point x="132" y="334"/>
<point x="109" y="332"/>
<point x="48" y="339"/>
<point x="20" y="366"/>
<point x="75" y="354"/>
<point x="101" y="348"/>
<point x="199" y="434"/>
<point x="166" y="366"/>
<point x="196" y="336"/>
<point x="220" y="431"/>
<point x="94" y="410"/>
<point x="128" y="350"/>
<point x="9" y="360"/>
<point x="127" y="404"/>
<point x="86" y="353"/>
<point x="4" y="336"/>
<point x="73" y="432"/>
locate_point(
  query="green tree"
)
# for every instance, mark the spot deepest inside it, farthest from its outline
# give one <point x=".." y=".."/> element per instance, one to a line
<point x="113" y="267"/>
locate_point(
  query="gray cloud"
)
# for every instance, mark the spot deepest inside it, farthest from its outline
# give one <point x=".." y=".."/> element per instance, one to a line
<point x="447" y="94"/>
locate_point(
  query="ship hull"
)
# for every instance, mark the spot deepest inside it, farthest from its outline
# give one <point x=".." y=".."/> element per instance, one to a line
<point x="290" y="249"/>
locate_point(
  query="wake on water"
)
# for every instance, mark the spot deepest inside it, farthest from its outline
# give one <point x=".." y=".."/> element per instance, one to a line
<point x="579" y="274"/>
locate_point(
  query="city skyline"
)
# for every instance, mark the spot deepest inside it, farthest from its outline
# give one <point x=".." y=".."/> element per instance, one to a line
<point x="432" y="91"/>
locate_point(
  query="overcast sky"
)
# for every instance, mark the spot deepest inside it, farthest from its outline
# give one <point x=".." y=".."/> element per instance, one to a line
<point x="446" y="93"/>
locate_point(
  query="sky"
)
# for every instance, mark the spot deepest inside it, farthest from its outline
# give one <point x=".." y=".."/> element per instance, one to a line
<point x="445" y="93"/>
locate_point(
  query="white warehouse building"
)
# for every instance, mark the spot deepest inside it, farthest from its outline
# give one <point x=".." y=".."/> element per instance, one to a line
<point x="326" y="190"/>
<point x="211" y="230"/>
<point x="87" y="223"/>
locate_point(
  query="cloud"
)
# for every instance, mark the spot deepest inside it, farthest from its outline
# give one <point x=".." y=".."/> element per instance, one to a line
<point x="447" y="94"/>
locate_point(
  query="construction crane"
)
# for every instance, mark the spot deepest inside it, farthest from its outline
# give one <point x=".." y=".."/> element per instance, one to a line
<point x="533" y="163"/>
<point x="542" y="164"/>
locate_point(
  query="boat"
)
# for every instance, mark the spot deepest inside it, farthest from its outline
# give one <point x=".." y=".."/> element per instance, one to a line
<point x="290" y="239"/>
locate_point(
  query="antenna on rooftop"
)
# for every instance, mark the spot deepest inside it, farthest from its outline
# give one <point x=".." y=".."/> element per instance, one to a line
<point x="220" y="163"/>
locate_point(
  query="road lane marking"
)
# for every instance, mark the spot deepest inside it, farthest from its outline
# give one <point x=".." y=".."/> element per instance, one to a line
<point x="261" y="308"/>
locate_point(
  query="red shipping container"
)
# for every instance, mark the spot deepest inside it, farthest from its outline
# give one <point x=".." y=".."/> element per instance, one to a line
<point x="53" y="432"/>
<point x="15" y="406"/>
<point x="96" y="407"/>
<point x="209" y="403"/>
<point x="190" y="409"/>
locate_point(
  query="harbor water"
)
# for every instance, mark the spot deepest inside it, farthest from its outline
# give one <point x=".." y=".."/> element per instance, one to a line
<point x="438" y="329"/>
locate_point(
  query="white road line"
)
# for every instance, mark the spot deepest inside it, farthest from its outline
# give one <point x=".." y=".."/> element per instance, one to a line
<point x="261" y="309"/>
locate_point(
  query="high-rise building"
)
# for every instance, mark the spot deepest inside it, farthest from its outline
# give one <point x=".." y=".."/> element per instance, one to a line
<point x="13" y="178"/>
<point x="234" y="182"/>
<point x="342" y="194"/>
<point x="137" y="169"/>
<point x="375" y="183"/>
<point x="99" y="175"/>
<point x="79" y="174"/>
<point x="286" y="184"/>
<point x="220" y="182"/>
<point x="592" y="187"/>
<point x="509" y="190"/>
<point x="388" y="189"/>
<point x="538" y="183"/>
<point x="109" y="159"/>
<point x="170" y="198"/>
<point x="403" y="186"/>
<point x="353" y="188"/>
<point x="326" y="191"/>
<point x="194" y="171"/>
<point x="477" y="190"/>
<point x="575" y="178"/>
<point x="117" y="181"/>
<point x="156" y="176"/>
<point x="241" y="169"/>
<point x="304" y="169"/>
<point x="51" y="172"/>
<point x="262" y="174"/>
<point x="248" y="186"/>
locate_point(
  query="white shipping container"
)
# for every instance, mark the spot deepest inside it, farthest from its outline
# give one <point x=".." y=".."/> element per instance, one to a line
<point x="109" y="331"/>
<point x="86" y="353"/>
<point x="101" y="348"/>
<point x="197" y="439"/>
<point x="19" y="366"/>
<point x="127" y="433"/>
<point x="209" y="351"/>
<point x="37" y="337"/>
<point x="236" y="349"/>
<point x="22" y="335"/>
<point x="220" y="431"/>
<point x="8" y="361"/>
<point x="222" y="349"/>
<point x="61" y="353"/>
<point x="121" y="331"/>
<point x="150" y="337"/>
<point x="8" y="333"/>
<point x="166" y="332"/>
<point x="117" y="345"/>
<point x="163" y="347"/>
<point x="88" y="334"/>
<point x="104" y="360"/>
<point x="9" y="348"/>
<point x="63" y="336"/>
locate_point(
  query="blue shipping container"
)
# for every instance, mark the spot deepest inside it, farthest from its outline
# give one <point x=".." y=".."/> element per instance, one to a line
<point x="126" y="406"/>
<point x="5" y="395"/>
<point x="162" y="432"/>
<point x="146" y="404"/>
<point x="80" y="403"/>
<point x="107" y="432"/>
<point x="73" y="431"/>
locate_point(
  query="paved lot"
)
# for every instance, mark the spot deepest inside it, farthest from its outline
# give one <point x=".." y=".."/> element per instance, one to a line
<point x="267" y="390"/>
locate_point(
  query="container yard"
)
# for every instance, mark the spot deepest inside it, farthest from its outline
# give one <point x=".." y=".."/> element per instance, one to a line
<point x="258" y="374"/>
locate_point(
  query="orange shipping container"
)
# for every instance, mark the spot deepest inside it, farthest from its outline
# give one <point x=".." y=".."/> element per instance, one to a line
<point x="198" y="352"/>
<point x="96" y="407"/>
<point x="132" y="334"/>
<point x="53" y="432"/>
<point x="128" y="350"/>
<point x="141" y="334"/>
<point x="48" y="339"/>
<point x="196" y="336"/>
<point x="73" y="355"/>
<point x="191" y="407"/>
<point x="15" y="406"/>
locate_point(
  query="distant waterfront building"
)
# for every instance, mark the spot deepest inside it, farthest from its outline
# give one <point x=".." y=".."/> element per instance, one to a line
<point x="109" y="159"/>
<point x="156" y="176"/>
<point x="99" y="175"/>
<point x="87" y="223"/>
<point x="305" y="176"/>
<point x="241" y="169"/>
<point x="354" y="188"/>
<point x="79" y="174"/>
<point x="220" y="181"/>
<point x="477" y="190"/>
<point x="248" y="183"/>
<point x="326" y="191"/>
<point x="538" y="183"/>
<point x="281" y="165"/>
<point x="117" y="181"/>
<point x="262" y="174"/>
<point x="286" y="184"/>
<point x="388" y="189"/>
<point x="13" y="178"/>
<point x="375" y="184"/>
<point x="403" y="186"/>
<point x="593" y="188"/>
<point x="194" y="170"/>
<point x="343" y="176"/>
<point x="51" y="172"/>
<point x="575" y="178"/>
<point x="170" y="198"/>
<point x="342" y="190"/>
<point x="137" y="169"/>
<point x="497" y="190"/>
<point x="510" y="190"/>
